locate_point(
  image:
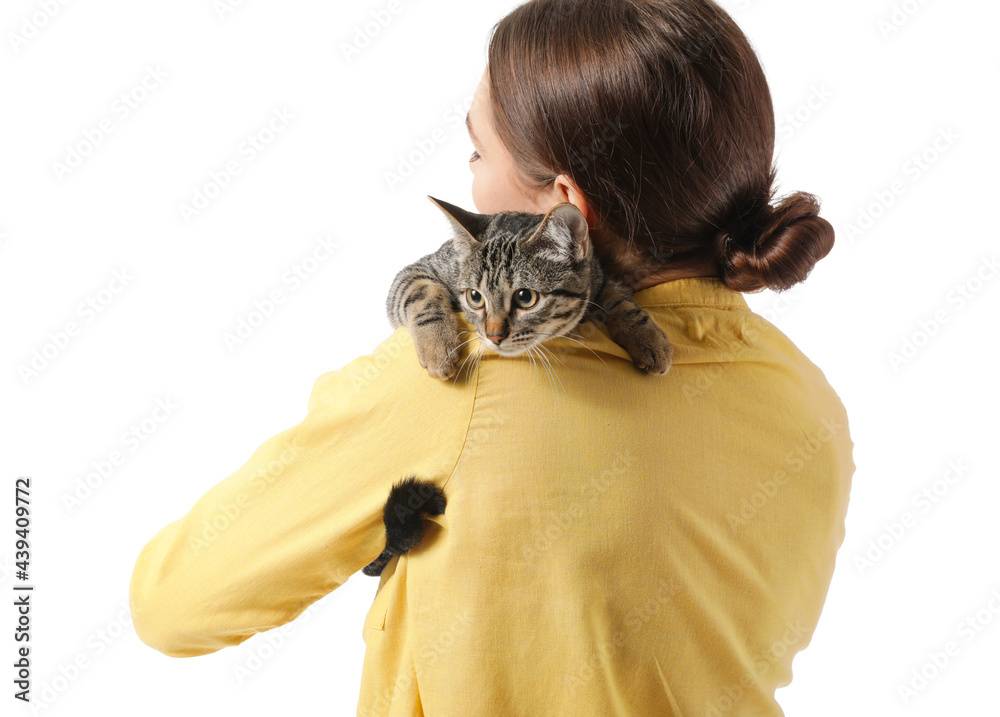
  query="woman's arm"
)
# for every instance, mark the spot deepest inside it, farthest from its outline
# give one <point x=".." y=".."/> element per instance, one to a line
<point x="304" y="513"/>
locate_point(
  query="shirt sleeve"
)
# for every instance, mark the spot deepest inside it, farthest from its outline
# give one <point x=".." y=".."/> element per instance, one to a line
<point x="304" y="513"/>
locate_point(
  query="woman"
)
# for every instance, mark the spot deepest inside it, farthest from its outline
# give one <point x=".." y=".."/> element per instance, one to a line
<point x="614" y="543"/>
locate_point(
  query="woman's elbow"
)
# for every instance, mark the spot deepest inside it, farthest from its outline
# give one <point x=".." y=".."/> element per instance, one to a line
<point x="155" y="622"/>
<point x="162" y="618"/>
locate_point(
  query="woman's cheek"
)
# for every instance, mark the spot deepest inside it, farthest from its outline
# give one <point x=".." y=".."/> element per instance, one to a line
<point x="481" y="192"/>
<point x="475" y="189"/>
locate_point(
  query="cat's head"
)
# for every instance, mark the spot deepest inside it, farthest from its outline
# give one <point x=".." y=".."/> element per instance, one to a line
<point x="524" y="278"/>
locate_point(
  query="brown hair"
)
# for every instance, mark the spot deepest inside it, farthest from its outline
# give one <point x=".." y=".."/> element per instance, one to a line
<point x="660" y="112"/>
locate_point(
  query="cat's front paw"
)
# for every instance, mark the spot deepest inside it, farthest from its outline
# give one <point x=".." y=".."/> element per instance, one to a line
<point x="650" y="349"/>
<point x="437" y="346"/>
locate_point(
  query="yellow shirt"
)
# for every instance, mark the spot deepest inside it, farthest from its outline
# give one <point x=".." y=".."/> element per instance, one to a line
<point x="614" y="543"/>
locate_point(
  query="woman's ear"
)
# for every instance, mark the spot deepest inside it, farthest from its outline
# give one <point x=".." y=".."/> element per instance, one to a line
<point x="564" y="189"/>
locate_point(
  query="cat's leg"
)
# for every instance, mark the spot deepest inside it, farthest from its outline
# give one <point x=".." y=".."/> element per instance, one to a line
<point x="427" y="312"/>
<point x="634" y="330"/>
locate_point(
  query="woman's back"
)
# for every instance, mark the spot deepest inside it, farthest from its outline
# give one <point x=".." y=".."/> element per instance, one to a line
<point x="616" y="543"/>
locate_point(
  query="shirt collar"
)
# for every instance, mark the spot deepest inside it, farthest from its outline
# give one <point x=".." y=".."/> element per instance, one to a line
<point x="696" y="291"/>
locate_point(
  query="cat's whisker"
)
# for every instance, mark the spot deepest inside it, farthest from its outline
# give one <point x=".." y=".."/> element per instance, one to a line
<point x="551" y="353"/>
<point x="579" y="342"/>
<point x="454" y="378"/>
<point x="588" y="301"/>
<point x="531" y="352"/>
<point x="554" y="372"/>
<point x="547" y="364"/>
<point x="458" y="347"/>
<point x="467" y="358"/>
<point x="537" y="350"/>
<point x="532" y="359"/>
<point x="479" y="357"/>
<point x="531" y="355"/>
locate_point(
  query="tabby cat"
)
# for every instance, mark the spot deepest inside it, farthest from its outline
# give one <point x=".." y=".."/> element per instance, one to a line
<point x="519" y="279"/>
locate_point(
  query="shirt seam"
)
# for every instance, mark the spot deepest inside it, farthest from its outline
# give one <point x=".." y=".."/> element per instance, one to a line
<point x="468" y="428"/>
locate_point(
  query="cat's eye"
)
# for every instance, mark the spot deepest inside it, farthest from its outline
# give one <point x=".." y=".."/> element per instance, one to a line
<point x="475" y="299"/>
<point x="525" y="298"/>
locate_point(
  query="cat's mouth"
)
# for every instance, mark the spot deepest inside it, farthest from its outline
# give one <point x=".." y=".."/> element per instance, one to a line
<point x="506" y="349"/>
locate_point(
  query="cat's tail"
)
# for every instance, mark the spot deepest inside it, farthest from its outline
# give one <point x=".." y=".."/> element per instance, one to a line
<point x="403" y="514"/>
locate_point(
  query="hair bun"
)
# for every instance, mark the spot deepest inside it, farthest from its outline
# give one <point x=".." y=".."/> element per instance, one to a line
<point x="779" y="247"/>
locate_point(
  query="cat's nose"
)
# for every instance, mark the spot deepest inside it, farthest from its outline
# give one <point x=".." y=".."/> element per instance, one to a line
<point x="496" y="338"/>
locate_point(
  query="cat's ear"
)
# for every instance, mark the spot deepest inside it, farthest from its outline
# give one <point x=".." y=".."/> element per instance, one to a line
<point x="565" y="228"/>
<point x="468" y="226"/>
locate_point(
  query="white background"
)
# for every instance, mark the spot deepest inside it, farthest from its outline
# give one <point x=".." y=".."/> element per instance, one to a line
<point x="865" y="103"/>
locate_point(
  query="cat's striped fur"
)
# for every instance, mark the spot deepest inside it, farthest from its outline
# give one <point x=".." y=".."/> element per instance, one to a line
<point x="498" y="264"/>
